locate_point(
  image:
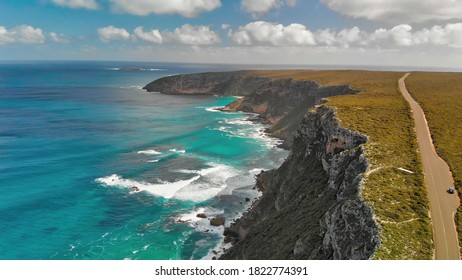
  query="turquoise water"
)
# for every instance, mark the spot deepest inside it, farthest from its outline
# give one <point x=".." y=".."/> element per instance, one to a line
<point x="76" y="138"/>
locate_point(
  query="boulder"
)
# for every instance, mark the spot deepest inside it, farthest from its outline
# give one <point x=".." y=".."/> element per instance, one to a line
<point x="218" y="221"/>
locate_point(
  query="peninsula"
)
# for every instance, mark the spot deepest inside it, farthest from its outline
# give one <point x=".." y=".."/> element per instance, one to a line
<point x="353" y="185"/>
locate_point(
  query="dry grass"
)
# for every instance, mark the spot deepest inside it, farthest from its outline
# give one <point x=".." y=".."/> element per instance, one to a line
<point x="399" y="199"/>
<point x="440" y="95"/>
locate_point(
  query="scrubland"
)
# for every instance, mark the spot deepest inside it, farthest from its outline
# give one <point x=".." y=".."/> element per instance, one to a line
<point x="398" y="198"/>
<point x="440" y="96"/>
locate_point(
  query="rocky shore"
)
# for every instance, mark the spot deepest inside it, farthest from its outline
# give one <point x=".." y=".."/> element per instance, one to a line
<point x="311" y="207"/>
<point x="283" y="103"/>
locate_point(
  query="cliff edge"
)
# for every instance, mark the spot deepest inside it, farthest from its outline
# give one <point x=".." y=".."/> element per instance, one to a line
<point x="311" y="207"/>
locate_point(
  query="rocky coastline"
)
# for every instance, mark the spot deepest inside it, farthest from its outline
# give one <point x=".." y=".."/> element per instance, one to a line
<point x="282" y="103"/>
<point x="311" y="207"/>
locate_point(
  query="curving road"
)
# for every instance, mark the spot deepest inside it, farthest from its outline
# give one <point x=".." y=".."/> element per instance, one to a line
<point x="438" y="178"/>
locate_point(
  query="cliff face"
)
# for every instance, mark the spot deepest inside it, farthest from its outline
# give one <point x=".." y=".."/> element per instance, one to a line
<point x="223" y="83"/>
<point x="311" y="206"/>
<point x="283" y="103"/>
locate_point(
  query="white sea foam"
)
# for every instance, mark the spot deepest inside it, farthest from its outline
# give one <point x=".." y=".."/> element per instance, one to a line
<point x="214" y="109"/>
<point x="132" y="87"/>
<point x="240" y="121"/>
<point x="217" y="109"/>
<point x="153" y="161"/>
<point x="212" y="182"/>
<point x="219" y="249"/>
<point x="142" y="249"/>
<point x="245" y="128"/>
<point x="203" y="224"/>
<point x="165" y="189"/>
<point x="200" y="224"/>
<point x="255" y="171"/>
<point x="238" y="182"/>
<point x="208" y="182"/>
<point x="177" y="151"/>
<point x="149" y="152"/>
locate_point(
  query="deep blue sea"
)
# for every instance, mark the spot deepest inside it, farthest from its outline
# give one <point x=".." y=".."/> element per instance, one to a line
<point x="94" y="167"/>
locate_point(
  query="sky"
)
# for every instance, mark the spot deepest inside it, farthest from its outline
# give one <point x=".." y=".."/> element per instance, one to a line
<point x="407" y="33"/>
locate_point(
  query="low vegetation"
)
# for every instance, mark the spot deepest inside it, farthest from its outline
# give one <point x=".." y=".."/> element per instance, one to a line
<point x="398" y="198"/>
<point x="440" y="96"/>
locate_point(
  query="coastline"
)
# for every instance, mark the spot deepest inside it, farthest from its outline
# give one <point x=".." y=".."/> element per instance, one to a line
<point x="276" y="143"/>
<point x="283" y="105"/>
<point x="282" y="98"/>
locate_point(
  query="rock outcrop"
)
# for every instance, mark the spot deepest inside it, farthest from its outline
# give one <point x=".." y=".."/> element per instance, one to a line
<point x="311" y="207"/>
<point x="282" y="102"/>
<point x="217" y="221"/>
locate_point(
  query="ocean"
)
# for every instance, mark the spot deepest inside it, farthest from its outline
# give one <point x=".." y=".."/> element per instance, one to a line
<point x="93" y="167"/>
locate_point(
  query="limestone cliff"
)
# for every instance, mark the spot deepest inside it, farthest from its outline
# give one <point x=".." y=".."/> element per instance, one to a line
<point x="283" y="102"/>
<point x="311" y="206"/>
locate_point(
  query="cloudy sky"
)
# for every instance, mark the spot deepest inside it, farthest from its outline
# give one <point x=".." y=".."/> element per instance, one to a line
<point x="424" y="33"/>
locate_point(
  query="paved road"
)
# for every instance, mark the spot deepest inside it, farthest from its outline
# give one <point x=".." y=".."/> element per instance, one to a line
<point x="438" y="178"/>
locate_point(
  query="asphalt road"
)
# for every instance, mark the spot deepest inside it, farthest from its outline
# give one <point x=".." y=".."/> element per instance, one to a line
<point x="438" y="178"/>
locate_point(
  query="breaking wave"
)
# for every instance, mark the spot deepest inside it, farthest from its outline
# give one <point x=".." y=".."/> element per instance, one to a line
<point x="149" y="152"/>
<point x="207" y="183"/>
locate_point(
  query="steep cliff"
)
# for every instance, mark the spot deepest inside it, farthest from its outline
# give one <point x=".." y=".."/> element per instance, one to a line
<point x="283" y="102"/>
<point x="311" y="206"/>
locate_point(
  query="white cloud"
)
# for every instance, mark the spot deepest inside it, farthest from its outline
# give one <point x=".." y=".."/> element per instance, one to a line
<point x="326" y="37"/>
<point x="273" y="34"/>
<point x="402" y="35"/>
<point x="261" y="33"/>
<point x="398" y="36"/>
<point x="398" y="11"/>
<point x="184" y="35"/>
<point x="193" y="35"/>
<point x="450" y="35"/>
<point x="344" y="38"/>
<point x="269" y="35"/>
<point x="348" y="36"/>
<point x="76" y="4"/>
<point x="5" y="36"/>
<point x="23" y="34"/>
<point x="110" y="33"/>
<point x="187" y="8"/>
<point x="258" y="8"/>
<point x="153" y="36"/>
<point x="58" y="38"/>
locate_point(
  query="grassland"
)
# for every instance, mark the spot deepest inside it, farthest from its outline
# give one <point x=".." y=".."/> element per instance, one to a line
<point x="399" y="199"/>
<point x="440" y="96"/>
